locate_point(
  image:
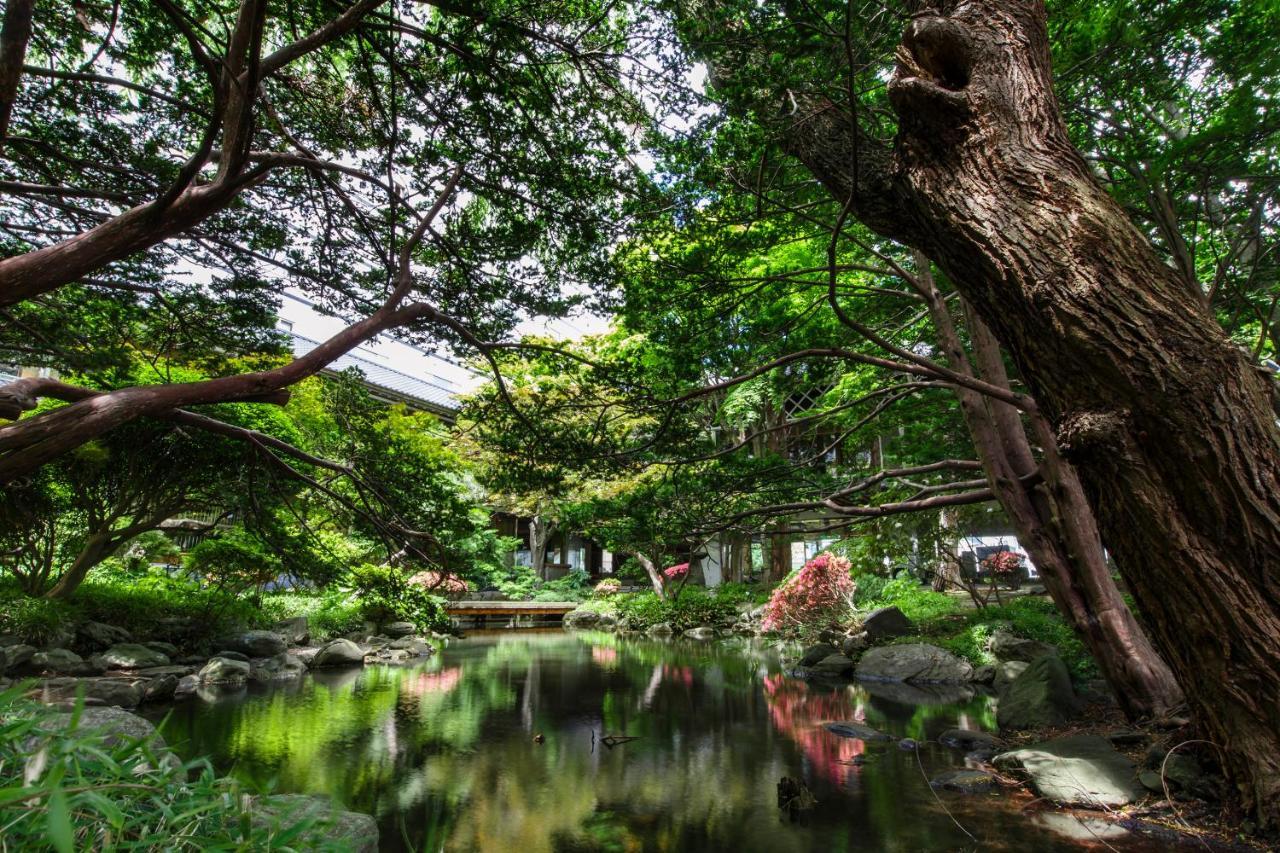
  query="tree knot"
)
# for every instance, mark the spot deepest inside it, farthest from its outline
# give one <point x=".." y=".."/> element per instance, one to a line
<point x="1094" y="434"/>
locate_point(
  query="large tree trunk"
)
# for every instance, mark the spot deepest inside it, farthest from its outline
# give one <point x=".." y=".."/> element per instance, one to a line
<point x="96" y="548"/>
<point x="1169" y="425"/>
<point x="540" y="532"/>
<point x="655" y="577"/>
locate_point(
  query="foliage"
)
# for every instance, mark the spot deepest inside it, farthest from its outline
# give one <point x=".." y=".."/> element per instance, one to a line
<point x="574" y="586"/>
<point x="821" y="591"/>
<point x="919" y="603"/>
<point x="696" y="607"/>
<point x="385" y="593"/>
<point x="440" y="584"/>
<point x="607" y="587"/>
<point x="234" y="560"/>
<point x="330" y="612"/>
<point x="67" y="787"/>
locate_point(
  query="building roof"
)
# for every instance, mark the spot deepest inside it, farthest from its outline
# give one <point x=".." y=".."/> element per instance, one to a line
<point x="431" y="393"/>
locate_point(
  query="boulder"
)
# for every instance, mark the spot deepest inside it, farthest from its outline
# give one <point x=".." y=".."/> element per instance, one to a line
<point x="1006" y="671"/>
<point x="815" y="653"/>
<point x="968" y="739"/>
<point x="230" y="654"/>
<point x="985" y="674"/>
<point x="853" y="646"/>
<point x="222" y="670"/>
<point x="1082" y="770"/>
<point x="56" y="660"/>
<point x="1007" y="646"/>
<point x="160" y="671"/>
<point x="169" y="650"/>
<point x="282" y="667"/>
<point x="1041" y="696"/>
<point x="415" y="646"/>
<point x="887" y="622"/>
<point x="119" y="726"/>
<point x="837" y="666"/>
<point x="396" y="630"/>
<point x="186" y="687"/>
<point x="965" y="781"/>
<point x="337" y="653"/>
<point x="662" y="629"/>
<point x="99" y="635"/>
<point x="16" y="657"/>
<point x="304" y="654"/>
<point x="857" y="730"/>
<point x="160" y="689"/>
<point x="608" y="620"/>
<point x="702" y="632"/>
<point x="1182" y="771"/>
<point x="387" y="655"/>
<point x="121" y="692"/>
<point x="918" y="663"/>
<point x="255" y="644"/>
<point x="130" y="656"/>
<point x="294" y="629"/>
<point x="334" y="828"/>
<point x="578" y="619"/>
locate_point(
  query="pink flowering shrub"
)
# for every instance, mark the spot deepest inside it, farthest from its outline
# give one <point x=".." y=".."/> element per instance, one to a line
<point x="821" y="591"/>
<point x="608" y="587"/>
<point x="449" y="585"/>
<point x="675" y="572"/>
<point x="1003" y="563"/>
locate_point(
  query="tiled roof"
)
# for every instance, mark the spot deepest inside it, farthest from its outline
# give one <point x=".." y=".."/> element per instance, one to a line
<point x="425" y="392"/>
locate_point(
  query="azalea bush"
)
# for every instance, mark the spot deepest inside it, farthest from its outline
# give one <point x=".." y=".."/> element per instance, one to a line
<point x="608" y="587"/>
<point x="448" y="585"/>
<point x="1003" y="563"/>
<point x="674" y="579"/>
<point x="821" y="592"/>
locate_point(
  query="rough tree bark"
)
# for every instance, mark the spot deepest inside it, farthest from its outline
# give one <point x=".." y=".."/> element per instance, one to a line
<point x="1052" y="520"/>
<point x="540" y="532"/>
<point x="1168" y="425"/>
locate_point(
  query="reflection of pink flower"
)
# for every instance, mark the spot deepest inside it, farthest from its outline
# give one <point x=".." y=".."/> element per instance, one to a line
<point x="677" y="571"/>
<point x="682" y="674"/>
<point x="799" y="714"/>
<point x="433" y="682"/>
<point x="604" y="655"/>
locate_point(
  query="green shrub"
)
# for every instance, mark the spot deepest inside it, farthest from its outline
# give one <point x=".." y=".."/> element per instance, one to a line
<point x="235" y="559"/>
<point x="696" y="606"/>
<point x="330" y="613"/>
<point x="870" y="588"/>
<point x="77" y="789"/>
<point x="575" y="586"/>
<point x="36" y="620"/>
<point x="385" y="594"/>
<point x="1038" y="619"/>
<point x="919" y="603"/>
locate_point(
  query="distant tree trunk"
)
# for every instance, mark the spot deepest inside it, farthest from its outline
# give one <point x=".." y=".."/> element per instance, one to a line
<point x="1168" y="425"/>
<point x="97" y="547"/>
<point x="541" y="530"/>
<point x="655" y="576"/>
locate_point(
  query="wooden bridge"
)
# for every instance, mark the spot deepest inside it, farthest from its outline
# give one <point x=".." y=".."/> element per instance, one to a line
<point x="509" y="608"/>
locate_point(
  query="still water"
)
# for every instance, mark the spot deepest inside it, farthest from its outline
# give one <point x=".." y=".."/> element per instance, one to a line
<point x="446" y="754"/>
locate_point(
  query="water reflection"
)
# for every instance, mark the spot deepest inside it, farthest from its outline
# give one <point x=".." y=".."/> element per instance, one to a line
<point x="445" y="754"/>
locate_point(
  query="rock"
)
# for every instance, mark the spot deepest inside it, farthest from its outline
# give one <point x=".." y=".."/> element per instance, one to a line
<point x="256" y="644"/>
<point x="985" y="674"/>
<point x="1083" y="770"/>
<point x="1126" y="737"/>
<point x="815" y="653"/>
<point x="662" y="629"/>
<point x="55" y="660"/>
<point x="294" y="629"/>
<point x="130" y="656"/>
<point x="121" y="692"/>
<point x="304" y="655"/>
<point x="1006" y="672"/>
<point x="415" y="646"/>
<point x="233" y="655"/>
<point x="160" y="689"/>
<point x="836" y="665"/>
<point x="7" y="640"/>
<point x="965" y="781"/>
<point x="282" y="667"/>
<point x="222" y="670"/>
<point x="195" y="660"/>
<point x="968" y="739"/>
<point x="979" y="756"/>
<point x="1151" y="780"/>
<point x="903" y="693"/>
<point x="914" y="662"/>
<point x="1040" y="696"/>
<point x="908" y="744"/>
<point x="608" y="620"/>
<point x="98" y="635"/>
<point x="169" y="650"/>
<point x="187" y="686"/>
<point x="387" y="655"/>
<point x="16" y="656"/>
<point x="1007" y="646"/>
<point x="119" y="726"/>
<point x="702" y="632"/>
<point x="1183" y="772"/>
<point x="350" y="831"/>
<point x="856" y="730"/>
<point x="578" y="619"/>
<point x="1090" y="831"/>
<point x="396" y="630"/>
<point x="337" y="653"/>
<point x="887" y="622"/>
<point x="855" y="645"/>
<point x="159" y="671"/>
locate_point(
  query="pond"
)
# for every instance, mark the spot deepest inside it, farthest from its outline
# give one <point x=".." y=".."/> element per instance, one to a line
<point x="447" y="755"/>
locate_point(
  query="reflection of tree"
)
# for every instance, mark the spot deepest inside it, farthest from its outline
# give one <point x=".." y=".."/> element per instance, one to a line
<point x="799" y="712"/>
